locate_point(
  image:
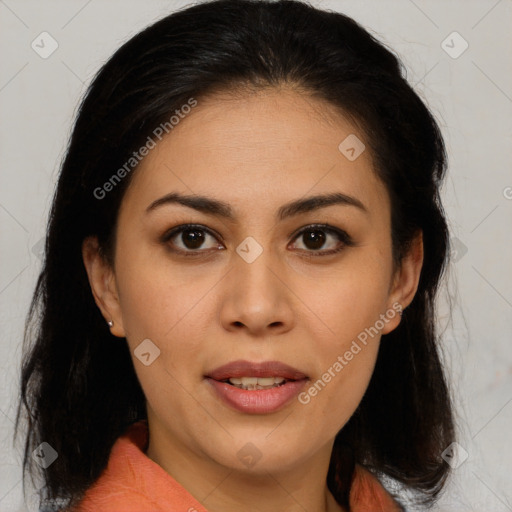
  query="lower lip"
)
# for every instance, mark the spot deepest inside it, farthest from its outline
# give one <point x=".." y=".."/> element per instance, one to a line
<point x="257" y="401"/>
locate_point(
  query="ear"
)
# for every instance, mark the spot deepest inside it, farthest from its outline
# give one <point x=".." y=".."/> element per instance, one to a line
<point x="405" y="281"/>
<point x="103" y="285"/>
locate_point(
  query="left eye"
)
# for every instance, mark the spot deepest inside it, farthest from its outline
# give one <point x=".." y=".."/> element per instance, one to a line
<point x="313" y="237"/>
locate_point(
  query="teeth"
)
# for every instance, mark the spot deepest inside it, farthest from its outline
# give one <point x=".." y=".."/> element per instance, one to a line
<point x="256" y="382"/>
<point x="266" y="381"/>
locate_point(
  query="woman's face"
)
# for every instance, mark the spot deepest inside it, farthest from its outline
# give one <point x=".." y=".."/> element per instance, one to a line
<point x="250" y="286"/>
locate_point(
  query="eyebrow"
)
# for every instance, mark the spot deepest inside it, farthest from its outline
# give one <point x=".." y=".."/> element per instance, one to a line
<point x="221" y="209"/>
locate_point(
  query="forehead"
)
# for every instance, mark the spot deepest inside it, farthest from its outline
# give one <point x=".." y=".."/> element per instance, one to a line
<point x="259" y="149"/>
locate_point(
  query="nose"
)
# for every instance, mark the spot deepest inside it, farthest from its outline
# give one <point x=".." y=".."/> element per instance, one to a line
<point x="256" y="298"/>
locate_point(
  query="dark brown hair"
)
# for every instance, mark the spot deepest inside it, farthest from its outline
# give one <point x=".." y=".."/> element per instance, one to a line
<point x="78" y="384"/>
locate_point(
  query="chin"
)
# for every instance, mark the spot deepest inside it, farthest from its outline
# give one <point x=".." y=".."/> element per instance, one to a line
<point x="257" y="453"/>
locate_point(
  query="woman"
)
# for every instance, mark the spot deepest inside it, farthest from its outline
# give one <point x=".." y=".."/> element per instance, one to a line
<point x="236" y="308"/>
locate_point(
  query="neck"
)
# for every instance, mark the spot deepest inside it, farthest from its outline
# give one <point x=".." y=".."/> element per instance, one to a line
<point x="223" y="489"/>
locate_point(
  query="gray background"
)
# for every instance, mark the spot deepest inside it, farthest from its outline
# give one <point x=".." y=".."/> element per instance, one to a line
<point x="471" y="96"/>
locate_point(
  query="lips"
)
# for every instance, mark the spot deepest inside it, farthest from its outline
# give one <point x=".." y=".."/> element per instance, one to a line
<point x="240" y="368"/>
<point x="258" y="400"/>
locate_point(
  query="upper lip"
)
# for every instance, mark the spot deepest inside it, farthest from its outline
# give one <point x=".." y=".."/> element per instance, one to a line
<point x="243" y="368"/>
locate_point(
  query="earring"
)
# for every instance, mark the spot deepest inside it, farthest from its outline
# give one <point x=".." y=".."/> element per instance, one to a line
<point x="110" y="323"/>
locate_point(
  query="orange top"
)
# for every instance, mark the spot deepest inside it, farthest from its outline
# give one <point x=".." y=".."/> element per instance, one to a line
<point x="132" y="482"/>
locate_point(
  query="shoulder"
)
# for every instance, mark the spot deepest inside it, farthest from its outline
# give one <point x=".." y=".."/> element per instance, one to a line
<point x="116" y="498"/>
<point x="132" y="482"/>
<point x="367" y="494"/>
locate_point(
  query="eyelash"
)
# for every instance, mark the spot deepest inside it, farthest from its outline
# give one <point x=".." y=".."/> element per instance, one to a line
<point x="342" y="236"/>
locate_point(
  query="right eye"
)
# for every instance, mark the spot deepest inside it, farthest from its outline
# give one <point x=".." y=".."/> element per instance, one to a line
<point x="191" y="237"/>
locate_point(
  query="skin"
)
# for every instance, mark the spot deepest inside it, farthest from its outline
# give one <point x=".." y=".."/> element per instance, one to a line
<point x="255" y="151"/>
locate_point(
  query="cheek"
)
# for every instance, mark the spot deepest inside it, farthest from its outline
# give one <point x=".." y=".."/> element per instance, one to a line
<point x="349" y="297"/>
<point x="344" y="372"/>
<point x="166" y="305"/>
<point x="159" y="298"/>
<point x="349" y="303"/>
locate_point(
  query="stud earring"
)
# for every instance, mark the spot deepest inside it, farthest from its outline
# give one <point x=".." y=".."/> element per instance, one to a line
<point x="110" y="323"/>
